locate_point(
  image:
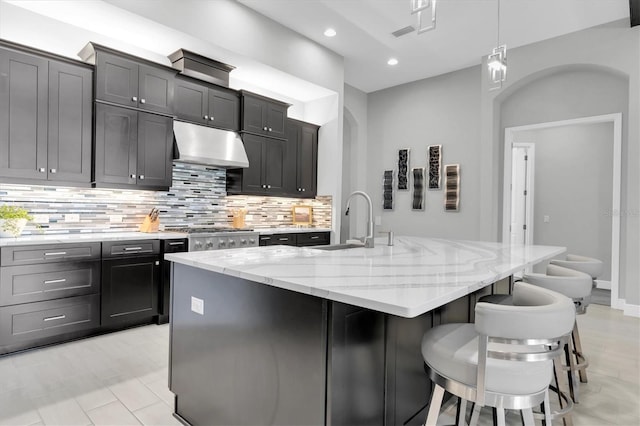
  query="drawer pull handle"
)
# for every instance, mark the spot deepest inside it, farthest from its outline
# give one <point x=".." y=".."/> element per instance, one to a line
<point x="61" y="280"/>
<point x="57" y="317"/>
<point x="315" y="237"/>
<point x="56" y="253"/>
<point x="176" y="244"/>
<point x="283" y="239"/>
<point x="132" y="248"/>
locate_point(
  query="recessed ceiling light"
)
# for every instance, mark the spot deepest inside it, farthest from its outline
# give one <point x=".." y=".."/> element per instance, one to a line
<point x="392" y="61"/>
<point x="330" y="32"/>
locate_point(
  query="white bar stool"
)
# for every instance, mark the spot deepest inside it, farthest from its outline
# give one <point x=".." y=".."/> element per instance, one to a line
<point x="504" y="360"/>
<point x="577" y="286"/>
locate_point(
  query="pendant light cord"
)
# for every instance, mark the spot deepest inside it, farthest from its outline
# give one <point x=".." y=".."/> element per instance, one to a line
<point x="498" y="41"/>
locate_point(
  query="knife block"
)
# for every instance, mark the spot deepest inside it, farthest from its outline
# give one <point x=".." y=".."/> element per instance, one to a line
<point x="149" y="225"/>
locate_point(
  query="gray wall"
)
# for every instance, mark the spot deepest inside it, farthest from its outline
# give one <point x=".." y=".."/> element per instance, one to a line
<point x="613" y="49"/>
<point x="441" y="110"/>
<point x="590" y="72"/>
<point x="573" y="187"/>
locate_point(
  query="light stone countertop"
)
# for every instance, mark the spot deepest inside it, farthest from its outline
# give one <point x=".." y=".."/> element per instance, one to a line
<point x="414" y="276"/>
<point x="88" y="237"/>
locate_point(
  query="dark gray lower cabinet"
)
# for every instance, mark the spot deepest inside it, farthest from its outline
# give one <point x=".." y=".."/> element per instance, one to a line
<point x="130" y="283"/>
<point x="32" y="322"/>
<point x="49" y="293"/>
<point x="301" y="239"/>
<point x="35" y="283"/>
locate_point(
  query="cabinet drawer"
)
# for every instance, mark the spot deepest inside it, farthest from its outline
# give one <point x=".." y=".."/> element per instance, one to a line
<point x="130" y="248"/>
<point x="46" y="253"/>
<point x="34" y="283"/>
<point x="278" y="239"/>
<point x="313" y="239"/>
<point x="31" y="321"/>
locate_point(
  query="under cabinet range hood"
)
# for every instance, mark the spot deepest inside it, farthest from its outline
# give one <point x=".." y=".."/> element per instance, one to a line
<point x="209" y="146"/>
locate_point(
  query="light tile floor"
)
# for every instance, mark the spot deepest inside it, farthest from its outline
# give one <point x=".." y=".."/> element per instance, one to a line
<point x="121" y="378"/>
<point x="114" y="379"/>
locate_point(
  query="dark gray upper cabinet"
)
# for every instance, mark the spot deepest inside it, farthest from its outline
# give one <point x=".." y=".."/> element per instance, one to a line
<point x="301" y="163"/>
<point x="116" y="146"/>
<point x="132" y="149"/>
<point x="265" y="174"/>
<point x="263" y="116"/>
<point x="129" y="81"/>
<point x="23" y="115"/>
<point x="45" y="118"/>
<point x="155" y="150"/>
<point x="70" y="123"/>
<point x="207" y="104"/>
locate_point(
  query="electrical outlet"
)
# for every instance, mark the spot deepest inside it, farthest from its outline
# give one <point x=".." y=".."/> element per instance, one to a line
<point x="197" y="305"/>
<point x="41" y="218"/>
<point x="115" y="218"/>
<point x="72" y="218"/>
<point x="378" y="221"/>
<point x="546" y="219"/>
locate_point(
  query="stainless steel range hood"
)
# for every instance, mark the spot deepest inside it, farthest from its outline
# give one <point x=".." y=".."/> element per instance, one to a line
<point x="206" y="145"/>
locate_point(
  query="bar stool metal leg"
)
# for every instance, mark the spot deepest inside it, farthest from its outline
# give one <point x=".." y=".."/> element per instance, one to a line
<point x="581" y="360"/>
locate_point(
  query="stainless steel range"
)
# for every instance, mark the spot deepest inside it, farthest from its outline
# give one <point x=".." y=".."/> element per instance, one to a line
<point x="218" y="238"/>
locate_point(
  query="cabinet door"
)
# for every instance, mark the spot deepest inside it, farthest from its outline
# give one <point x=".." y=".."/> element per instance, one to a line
<point x="116" y="80"/>
<point x="155" y="89"/>
<point x="291" y="159"/>
<point x="191" y="102"/>
<point x="116" y="145"/>
<point x="224" y="109"/>
<point x="307" y="160"/>
<point x="155" y="153"/>
<point x="253" y="115"/>
<point x="253" y="176"/>
<point x="274" y="150"/>
<point x="129" y="289"/>
<point x="276" y="118"/>
<point x="70" y="115"/>
<point x="23" y="115"/>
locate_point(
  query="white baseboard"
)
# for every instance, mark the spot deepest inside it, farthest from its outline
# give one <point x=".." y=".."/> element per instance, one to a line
<point x="604" y="285"/>
<point x="632" y="310"/>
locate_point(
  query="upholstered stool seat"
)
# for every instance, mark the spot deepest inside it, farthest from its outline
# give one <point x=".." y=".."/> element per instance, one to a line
<point x="577" y="286"/>
<point x="588" y="265"/>
<point x="504" y="360"/>
<point x="452" y="351"/>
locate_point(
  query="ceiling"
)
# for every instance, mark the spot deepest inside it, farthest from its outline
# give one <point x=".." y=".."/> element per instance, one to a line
<point x="466" y="31"/>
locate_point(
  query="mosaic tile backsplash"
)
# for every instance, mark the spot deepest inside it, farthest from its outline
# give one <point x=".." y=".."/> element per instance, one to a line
<point x="197" y="198"/>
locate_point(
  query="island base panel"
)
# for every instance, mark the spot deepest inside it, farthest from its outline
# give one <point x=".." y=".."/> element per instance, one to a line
<point x="257" y="354"/>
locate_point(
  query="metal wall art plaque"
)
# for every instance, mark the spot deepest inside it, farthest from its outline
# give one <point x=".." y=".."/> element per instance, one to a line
<point x="452" y="187"/>
<point x="435" y="164"/>
<point x="387" y="190"/>
<point x="418" y="188"/>
<point x="403" y="168"/>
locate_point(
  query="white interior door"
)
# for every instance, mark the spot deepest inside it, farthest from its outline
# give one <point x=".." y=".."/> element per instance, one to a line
<point x="522" y="168"/>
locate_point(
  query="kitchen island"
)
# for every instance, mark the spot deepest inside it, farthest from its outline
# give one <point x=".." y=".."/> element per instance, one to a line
<point x="289" y="335"/>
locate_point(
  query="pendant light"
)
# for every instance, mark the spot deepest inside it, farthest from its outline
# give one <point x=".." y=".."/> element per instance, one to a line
<point x="420" y="6"/>
<point x="497" y="62"/>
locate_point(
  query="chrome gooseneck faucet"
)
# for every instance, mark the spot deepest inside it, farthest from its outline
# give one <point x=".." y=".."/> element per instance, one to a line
<point x="368" y="240"/>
